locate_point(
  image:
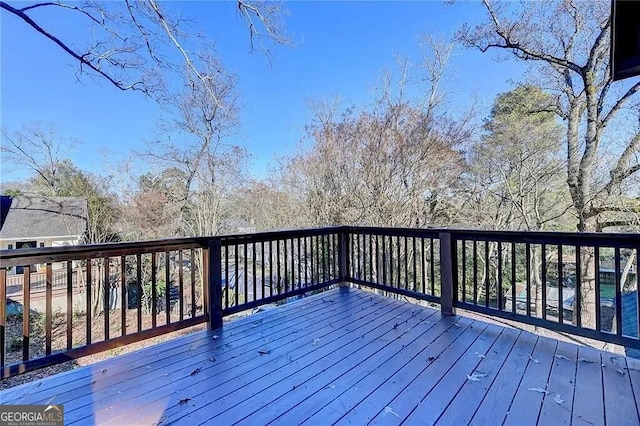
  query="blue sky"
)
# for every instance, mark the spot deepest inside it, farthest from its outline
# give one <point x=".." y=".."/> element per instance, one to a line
<point x="341" y="49"/>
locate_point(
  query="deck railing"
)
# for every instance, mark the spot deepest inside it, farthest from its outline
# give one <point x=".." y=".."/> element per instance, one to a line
<point x="115" y="294"/>
<point x="581" y="284"/>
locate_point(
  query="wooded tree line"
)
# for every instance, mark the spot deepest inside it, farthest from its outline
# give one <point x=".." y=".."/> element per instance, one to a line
<point x="559" y="151"/>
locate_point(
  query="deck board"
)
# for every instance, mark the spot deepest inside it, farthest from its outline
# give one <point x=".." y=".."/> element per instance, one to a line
<point x="349" y="357"/>
<point x="459" y="387"/>
<point x="396" y="404"/>
<point x="355" y="385"/>
<point x="349" y="349"/>
<point x="320" y="391"/>
<point x="588" y="402"/>
<point x="525" y="407"/>
<point x="619" y="407"/>
<point x="216" y="358"/>
<point x="359" y="402"/>
<point x="557" y="405"/>
<point x="436" y="401"/>
<point x="239" y="372"/>
<point x="495" y="403"/>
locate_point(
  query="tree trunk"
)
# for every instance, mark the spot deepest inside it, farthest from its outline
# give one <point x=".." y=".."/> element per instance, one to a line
<point x="536" y="266"/>
<point x="587" y="285"/>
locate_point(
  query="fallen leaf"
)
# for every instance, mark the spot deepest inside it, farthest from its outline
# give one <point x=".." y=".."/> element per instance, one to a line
<point x="184" y="400"/>
<point x="431" y="358"/>
<point x="557" y="399"/>
<point x="196" y="371"/>
<point x="212" y="359"/>
<point x="389" y="410"/>
<point x="395" y="326"/>
<point x="537" y="361"/>
<point x="539" y="390"/>
<point x="315" y="341"/>
<point x="263" y="351"/>
<point x="562" y="357"/>
<point x="104" y="371"/>
<point x="479" y="355"/>
<point x="215" y="337"/>
<point x="620" y="372"/>
<point x="475" y="377"/>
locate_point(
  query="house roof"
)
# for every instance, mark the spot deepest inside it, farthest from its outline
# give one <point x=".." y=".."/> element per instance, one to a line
<point x="37" y="217"/>
<point x="630" y="320"/>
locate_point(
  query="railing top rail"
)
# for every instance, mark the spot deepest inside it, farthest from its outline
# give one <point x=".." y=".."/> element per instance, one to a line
<point x="399" y="232"/>
<point x="276" y="235"/>
<point x="20" y="257"/>
<point x="545" y="237"/>
<point x="534" y="237"/>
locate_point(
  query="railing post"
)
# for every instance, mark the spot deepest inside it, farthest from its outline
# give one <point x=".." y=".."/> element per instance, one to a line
<point x="343" y="257"/>
<point x="213" y="275"/>
<point x="447" y="275"/>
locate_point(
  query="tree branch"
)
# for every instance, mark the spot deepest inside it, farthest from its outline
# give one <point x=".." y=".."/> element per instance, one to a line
<point x="529" y="54"/>
<point x="80" y="58"/>
<point x="620" y="103"/>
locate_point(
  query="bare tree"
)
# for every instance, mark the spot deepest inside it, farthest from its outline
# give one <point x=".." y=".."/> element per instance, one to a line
<point x="393" y="164"/>
<point x="194" y="143"/>
<point x="568" y="44"/>
<point x="137" y="45"/>
<point x="38" y="149"/>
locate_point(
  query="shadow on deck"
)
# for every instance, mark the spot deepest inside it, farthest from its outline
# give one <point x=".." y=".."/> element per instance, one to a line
<point x="350" y="357"/>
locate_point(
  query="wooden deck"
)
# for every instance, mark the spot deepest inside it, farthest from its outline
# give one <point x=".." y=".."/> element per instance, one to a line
<point x="349" y="357"/>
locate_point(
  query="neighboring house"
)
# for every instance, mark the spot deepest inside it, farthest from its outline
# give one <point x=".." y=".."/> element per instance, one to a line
<point x="238" y="226"/>
<point x="37" y="221"/>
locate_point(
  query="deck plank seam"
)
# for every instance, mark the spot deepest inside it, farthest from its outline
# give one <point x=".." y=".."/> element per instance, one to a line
<point x="374" y="368"/>
<point x="515" y="340"/>
<point x="183" y="339"/>
<point x="301" y="337"/>
<point x="172" y="351"/>
<point x="391" y="398"/>
<point x="392" y="307"/>
<point x="453" y="364"/>
<point x="357" y="349"/>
